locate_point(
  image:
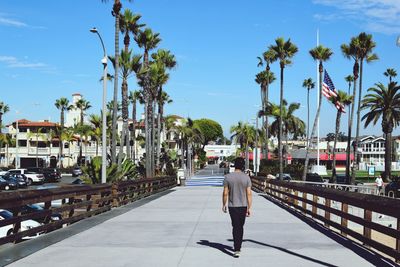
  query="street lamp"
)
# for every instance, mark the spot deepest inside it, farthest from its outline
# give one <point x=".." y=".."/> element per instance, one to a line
<point x="104" y="124"/>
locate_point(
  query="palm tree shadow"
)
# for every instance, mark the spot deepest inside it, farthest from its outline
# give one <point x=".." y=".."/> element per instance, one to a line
<point x="221" y="247"/>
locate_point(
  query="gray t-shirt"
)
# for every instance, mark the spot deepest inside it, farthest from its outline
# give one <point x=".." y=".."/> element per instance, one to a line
<point x="237" y="183"/>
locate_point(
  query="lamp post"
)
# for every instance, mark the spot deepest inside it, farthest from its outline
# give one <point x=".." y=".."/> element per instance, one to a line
<point x="104" y="123"/>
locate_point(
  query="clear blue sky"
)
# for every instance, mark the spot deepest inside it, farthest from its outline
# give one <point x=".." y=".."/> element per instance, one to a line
<point x="47" y="51"/>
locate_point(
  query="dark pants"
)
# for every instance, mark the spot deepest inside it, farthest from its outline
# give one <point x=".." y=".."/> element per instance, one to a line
<point x="238" y="217"/>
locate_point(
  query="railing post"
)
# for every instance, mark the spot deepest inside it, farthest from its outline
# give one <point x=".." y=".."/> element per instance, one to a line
<point x="398" y="240"/>
<point x="72" y="210"/>
<point x="295" y="200"/>
<point x="314" y="207"/>
<point x="345" y="209"/>
<point x="17" y="226"/>
<point x="327" y="213"/>
<point x="114" y="192"/>
<point x="89" y="206"/>
<point x="47" y="206"/>
<point x="368" y="218"/>
<point x="304" y="204"/>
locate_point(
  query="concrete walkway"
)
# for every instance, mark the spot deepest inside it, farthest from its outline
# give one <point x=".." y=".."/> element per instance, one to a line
<point x="187" y="228"/>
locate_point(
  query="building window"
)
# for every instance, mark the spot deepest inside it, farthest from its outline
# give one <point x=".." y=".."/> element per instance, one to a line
<point x="22" y="143"/>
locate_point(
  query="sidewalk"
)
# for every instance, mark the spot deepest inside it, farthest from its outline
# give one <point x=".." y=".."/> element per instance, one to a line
<point x="188" y="228"/>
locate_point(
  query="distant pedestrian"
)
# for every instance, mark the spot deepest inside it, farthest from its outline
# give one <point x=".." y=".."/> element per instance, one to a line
<point x="379" y="185"/>
<point x="238" y="197"/>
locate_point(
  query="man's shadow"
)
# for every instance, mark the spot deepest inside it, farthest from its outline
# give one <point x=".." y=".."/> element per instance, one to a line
<point x="223" y="248"/>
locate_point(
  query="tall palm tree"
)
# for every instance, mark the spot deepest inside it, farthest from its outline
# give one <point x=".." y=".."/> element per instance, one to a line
<point x="68" y="136"/>
<point x="82" y="105"/>
<point x="168" y="61"/>
<point x="350" y="51"/>
<point x="340" y="102"/>
<point x="134" y="96"/>
<point x="129" y="64"/>
<point x="282" y="51"/>
<point x="264" y="79"/>
<point x="4" y="108"/>
<point x="147" y="40"/>
<point x="63" y="105"/>
<point x="320" y="54"/>
<point x="308" y="84"/>
<point x="391" y="73"/>
<point x="8" y="141"/>
<point x="364" y="47"/>
<point x="383" y="103"/>
<point x="129" y="24"/>
<point x="96" y="122"/>
<point x="162" y="100"/>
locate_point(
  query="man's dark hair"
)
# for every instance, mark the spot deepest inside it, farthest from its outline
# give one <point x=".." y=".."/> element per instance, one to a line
<point x="239" y="163"/>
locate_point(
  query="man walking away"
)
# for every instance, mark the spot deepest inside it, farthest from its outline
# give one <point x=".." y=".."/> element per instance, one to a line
<point x="237" y="194"/>
<point x="379" y="185"/>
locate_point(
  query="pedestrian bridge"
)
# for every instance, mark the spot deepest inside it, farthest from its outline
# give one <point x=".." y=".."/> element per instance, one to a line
<point x="184" y="226"/>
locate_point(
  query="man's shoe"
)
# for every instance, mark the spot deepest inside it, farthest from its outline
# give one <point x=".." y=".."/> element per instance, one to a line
<point x="236" y="254"/>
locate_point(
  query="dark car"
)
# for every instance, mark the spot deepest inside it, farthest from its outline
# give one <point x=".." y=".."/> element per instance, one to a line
<point x="50" y="174"/>
<point x="285" y="177"/>
<point x="4" y="185"/>
<point x="10" y="183"/>
<point x="393" y="187"/>
<point x="314" y="177"/>
<point x="76" y="171"/>
<point x="20" y="179"/>
<point x="32" y="208"/>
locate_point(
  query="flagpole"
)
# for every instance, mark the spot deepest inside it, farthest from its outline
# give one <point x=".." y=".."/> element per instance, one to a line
<point x="318" y="85"/>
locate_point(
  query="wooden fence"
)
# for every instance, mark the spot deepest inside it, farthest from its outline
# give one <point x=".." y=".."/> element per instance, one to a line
<point x="316" y="201"/>
<point x="73" y="202"/>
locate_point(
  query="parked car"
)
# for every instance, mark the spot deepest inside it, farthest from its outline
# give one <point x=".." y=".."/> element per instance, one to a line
<point x="5" y="185"/>
<point x="50" y="174"/>
<point x="76" y="171"/>
<point x="20" y="179"/>
<point x="78" y="181"/>
<point x="32" y="208"/>
<point x="25" y="225"/>
<point x="33" y="177"/>
<point x="314" y="177"/>
<point x="3" y="171"/>
<point x="285" y="177"/>
<point x="393" y="187"/>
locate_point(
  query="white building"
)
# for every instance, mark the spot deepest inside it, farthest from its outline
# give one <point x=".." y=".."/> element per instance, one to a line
<point x="220" y="152"/>
<point x="73" y="116"/>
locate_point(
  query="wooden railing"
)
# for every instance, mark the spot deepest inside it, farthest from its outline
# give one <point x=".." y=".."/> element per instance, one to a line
<point x="317" y="202"/>
<point x="73" y="202"/>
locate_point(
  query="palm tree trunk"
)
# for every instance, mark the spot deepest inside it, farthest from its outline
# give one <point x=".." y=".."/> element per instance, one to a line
<point x="124" y="122"/>
<point x="160" y="113"/>
<point x="321" y="69"/>
<point x="247" y="163"/>
<point x="116" y="9"/>
<point x="262" y="118"/>
<point x="153" y="137"/>
<point x="281" y="126"/>
<point x="350" y="125"/>
<point x="308" y="117"/>
<point x="147" y="135"/>
<point x="388" y="156"/>
<point x="1" y="121"/>
<point x="133" y="130"/>
<point x="61" y="132"/>
<point x="338" y="115"/>
<point x="97" y="147"/>
<point x="356" y="158"/>
<point x="266" y="117"/>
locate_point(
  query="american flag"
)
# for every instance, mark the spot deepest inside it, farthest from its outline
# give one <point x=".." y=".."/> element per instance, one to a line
<point x="328" y="90"/>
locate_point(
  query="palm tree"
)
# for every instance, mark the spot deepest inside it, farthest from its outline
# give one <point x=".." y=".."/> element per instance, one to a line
<point x="96" y="122"/>
<point x="244" y="134"/>
<point x="365" y="46"/>
<point x="68" y="136"/>
<point x="320" y="54"/>
<point x="350" y="51"/>
<point x="134" y="96"/>
<point x="110" y="106"/>
<point x="390" y="73"/>
<point x="308" y="84"/>
<point x="282" y="51"/>
<point x="147" y="40"/>
<point x="4" y="108"/>
<point x="340" y="102"/>
<point x="264" y="79"/>
<point x="383" y="103"/>
<point x="129" y="24"/>
<point x="168" y="61"/>
<point x="63" y="105"/>
<point x="162" y="100"/>
<point x="82" y="105"/>
<point x="129" y="64"/>
<point x="38" y="134"/>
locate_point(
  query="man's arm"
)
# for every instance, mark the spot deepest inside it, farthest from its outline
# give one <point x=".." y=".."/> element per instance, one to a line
<point x="249" y="200"/>
<point x="225" y="194"/>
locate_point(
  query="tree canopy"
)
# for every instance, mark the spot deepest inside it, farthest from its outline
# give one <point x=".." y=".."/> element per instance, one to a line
<point x="211" y="130"/>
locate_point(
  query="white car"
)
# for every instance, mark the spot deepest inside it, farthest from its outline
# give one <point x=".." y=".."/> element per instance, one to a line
<point x="32" y="177"/>
<point x="25" y="225"/>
